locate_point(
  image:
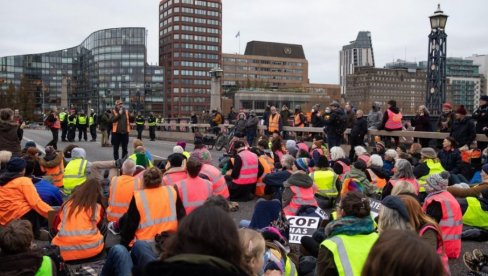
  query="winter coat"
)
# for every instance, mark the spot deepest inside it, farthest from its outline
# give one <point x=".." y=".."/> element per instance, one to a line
<point x="374" y="118"/>
<point x="450" y="160"/>
<point x="351" y="118"/>
<point x="26" y="263"/>
<point x="359" y="129"/>
<point x="252" y="123"/>
<point x="393" y="109"/>
<point x="9" y="138"/>
<point x="422" y="123"/>
<point x="240" y="128"/>
<point x="463" y="131"/>
<point x="444" y="124"/>
<point x="285" y="115"/>
<point x="105" y="121"/>
<point x="316" y="119"/>
<point x="335" y="124"/>
<point x="297" y="179"/>
<point x="481" y="117"/>
<point x="360" y="176"/>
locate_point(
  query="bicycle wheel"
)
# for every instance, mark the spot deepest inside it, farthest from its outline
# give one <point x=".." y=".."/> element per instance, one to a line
<point x="220" y="142"/>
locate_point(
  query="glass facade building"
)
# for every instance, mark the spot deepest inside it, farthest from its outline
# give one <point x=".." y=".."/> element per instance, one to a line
<point x="190" y="45"/>
<point x="108" y="65"/>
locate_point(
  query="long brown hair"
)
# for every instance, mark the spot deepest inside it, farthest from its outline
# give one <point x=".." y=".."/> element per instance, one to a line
<point x="85" y="197"/>
<point x="402" y="253"/>
<point x="417" y="216"/>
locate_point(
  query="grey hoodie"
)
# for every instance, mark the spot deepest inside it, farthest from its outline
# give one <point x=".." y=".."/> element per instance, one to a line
<point x="298" y="179"/>
<point x="77" y="153"/>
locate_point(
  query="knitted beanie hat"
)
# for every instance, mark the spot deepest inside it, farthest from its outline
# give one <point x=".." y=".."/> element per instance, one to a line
<point x="302" y="164"/>
<point x="203" y="155"/>
<point x="437" y="182"/>
<point x="395" y="203"/>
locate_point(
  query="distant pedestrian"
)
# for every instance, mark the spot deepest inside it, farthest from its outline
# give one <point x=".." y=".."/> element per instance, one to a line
<point x="93" y="122"/>
<point x="447" y="118"/>
<point x="72" y="126"/>
<point x="251" y="127"/>
<point x="375" y="116"/>
<point x="392" y="119"/>
<point x="335" y="125"/>
<point x="140" y="121"/>
<point x="358" y="131"/>
<point x="151" y="122"/>
<point x="193" y="121"/>
<point x="105" y="126"/>
<point x="63" y="118"/>
<point x="9" y="135"/>
<point x="285" y="115"/>
<point x="275" y="122"/>
<point x="120" y="129"/>
<point x="421" y="122"/>
<point x="232" y="116"/>
<point x="463" y="129"/>
<point x="54" y="124"/>
<point x="481" y="117"/>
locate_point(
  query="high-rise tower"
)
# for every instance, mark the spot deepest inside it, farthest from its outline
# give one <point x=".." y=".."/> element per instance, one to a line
<point x="190" y="45"/>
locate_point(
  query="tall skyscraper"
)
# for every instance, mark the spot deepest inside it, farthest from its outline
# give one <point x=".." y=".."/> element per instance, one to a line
<point x="190" y="45"/>
<point x="358" y="53"/>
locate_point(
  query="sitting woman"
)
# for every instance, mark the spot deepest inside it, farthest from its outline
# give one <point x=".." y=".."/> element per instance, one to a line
<point x="428" y="165"/>
<point x="80" y="224"/>
<point x="393" y="215"/>
<point x="18" y="257"/>
<point x="352" y="233"/>
<point x="200" y="248"/>
<point x="356" y="180"/>
<point x="299" y="189"/>
<point x="403" y="173"/>
<point x="339" y="163"/>
<point x="327" y="181"/>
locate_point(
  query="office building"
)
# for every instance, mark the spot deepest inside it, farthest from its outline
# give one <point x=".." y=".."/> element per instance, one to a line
<point x="464" y="83"/>
<point x="108" y="65"/>
<point x="368" y="85"/>
<point x="358" y="53"/>
<point x="190" y="45"/>
<point x="482" y="61"/>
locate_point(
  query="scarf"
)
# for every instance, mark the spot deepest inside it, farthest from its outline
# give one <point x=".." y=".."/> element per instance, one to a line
<point x="350" y="226"/>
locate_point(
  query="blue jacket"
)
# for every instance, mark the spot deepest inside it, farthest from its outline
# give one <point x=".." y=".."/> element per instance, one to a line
<point x="48" y="192"/>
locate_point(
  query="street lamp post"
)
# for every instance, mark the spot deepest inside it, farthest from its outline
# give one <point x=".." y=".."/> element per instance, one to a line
<point x="436" y="63"/>
<point x="215" y="88"/>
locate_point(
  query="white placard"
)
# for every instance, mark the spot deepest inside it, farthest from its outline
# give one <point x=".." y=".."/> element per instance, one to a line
<point x="302" y="226"/>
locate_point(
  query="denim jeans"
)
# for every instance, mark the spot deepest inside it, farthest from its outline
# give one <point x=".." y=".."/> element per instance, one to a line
<point x="118" y="262"/>
<point x="142" y="253"/>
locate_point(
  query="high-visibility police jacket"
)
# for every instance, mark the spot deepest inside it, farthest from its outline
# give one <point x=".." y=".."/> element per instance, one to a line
<point x="412" y="181"/>
<point x="91" y="120"/>
<point x="297" y="120"/>
<point x="140" y="120"/>
<point x="350" y="252"/>
<point x="115" y="124"/>
<point x="434" y="168"/>
<point x="214" y="175"/>
<point x="301" y="197"/>
<point x="274" y="122"/>
<point x="62" y="116"/>
<point x="326" y="182"/>
<point x="57" y="173"/>
<point x="72" y="122"/>
<point x="151" y="121"/>
<point x="78" y="235"/>
<point x="377" y="182"/>
<point x="171" y="178"/>
<point x="249" y="168"/>
<point x="17" y="198"/>
<point x="268" y="165"/>
<point x="157" y="209"/>
<point x="394" y="120"/>
<point x="74" y="174"/>
<point x="120" y="194"/>
<point x="193" y="192"/>
<point x="82" y="120"/>
<point x="451" y="222"/>
<point x="475" y="216"/>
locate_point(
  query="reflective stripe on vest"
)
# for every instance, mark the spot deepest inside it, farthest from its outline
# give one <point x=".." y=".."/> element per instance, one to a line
<point x="120" y="207"/>
<point x="115" y="124"/>
<point x="64" y="233"/>
<point x="74" y="174"/>
<point x="451" y="222"/>
<point x="394" y="120"/>
<point x="140" y="120"/>
<point x="290" y="268"/>
<point x="157" y="209"/>
<point x="195" y="196"/>
<point x="350" y="252"/>
<point x="249" y="168"/>
<point x="475" y="215"/>
<point x="326" y="182"/>
<point x="82" y="120"/>
<point x="219" y="185"/>
<point x="301" y="197"/>
<point x="72" y="122"/>
<point x="274" y="122"/>
<point x="434" y="168"/>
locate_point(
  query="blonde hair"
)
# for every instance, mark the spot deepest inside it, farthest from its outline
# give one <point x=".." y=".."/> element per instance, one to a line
<point x="137" y="143"/>
<point x="403" y="187"/>
<point x="5" y="156"/>
<point x="252" y="244"/>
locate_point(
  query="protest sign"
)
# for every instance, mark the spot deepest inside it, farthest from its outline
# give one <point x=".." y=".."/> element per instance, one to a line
<point x="302" y="226"/>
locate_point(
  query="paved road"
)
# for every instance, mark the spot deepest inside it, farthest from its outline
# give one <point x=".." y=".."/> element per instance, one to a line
<point x="161" y="149"/>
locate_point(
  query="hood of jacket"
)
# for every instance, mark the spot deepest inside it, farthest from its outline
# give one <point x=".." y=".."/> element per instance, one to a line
<point x="299" y="179"/>
<point x="53" y="162"/>
<point x="7" y="176"/>
<point x="78" y="153"/>
<point x="358" y="174"/>
<point x="394" y="109"/>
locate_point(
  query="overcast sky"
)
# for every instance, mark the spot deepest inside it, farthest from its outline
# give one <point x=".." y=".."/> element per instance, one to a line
<point x="399" y="29"/>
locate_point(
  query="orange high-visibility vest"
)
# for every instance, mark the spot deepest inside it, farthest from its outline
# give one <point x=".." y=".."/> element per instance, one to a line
<point x="297" y="122"/>
<point x="379" y="183"/>
<point x="17" y="198"/>
<point x="219" y="186"/>
<point x="78" y="235"/>
<point x="115" y="124"/>
<point x="57" y="173"/>
<point x="193" y="192"/>
<point x="157" y="208"/>
<point x="268" y="166"/>
<point x="301" y="197"/>
<point x="121" y="192"/>
<point x="172" y="178"/>
<point x="451" y="223"/>
<point x="274" y="122"/>
<point x="249" y="169"/>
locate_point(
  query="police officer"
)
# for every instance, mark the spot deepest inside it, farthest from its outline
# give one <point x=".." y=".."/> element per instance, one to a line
<point x="93" y="122"/>
<point x="140" y="121"/>
<point x="72" y="126"/>
<point x="152" y="126"/>
<point x="82" y="124"/>
<point x="481" y="117"/>
<point x="63" y="118"/>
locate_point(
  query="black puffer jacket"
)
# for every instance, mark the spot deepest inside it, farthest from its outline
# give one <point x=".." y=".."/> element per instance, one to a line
<point x="9" y="138"/>
<point x="463" y="131"/>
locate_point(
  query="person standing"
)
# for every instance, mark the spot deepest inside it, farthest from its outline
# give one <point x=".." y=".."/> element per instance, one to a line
<point x="481" y="117"/>
<point x="120" y="129"/>
<point x="9" y="134"/>
<point x="421" y="122"/>
<point x="82" y="124"/>
<point x="251" y="127"/>
<point x="54" y="125"/>
<point x="335" y="125"/>
<point x="140" y="121"/>
<point x="105" y="127"/>
<point x="375" y="116"/>
<point x="463" y="130"/>
<point x="358" y="131"/>
<point x="284" y="114"/>
<point x="93" y="122"/>
<point x="72" y="126"/>
<point x="193" y="121"/>
<point x="232" y="116"/>
<point x="151" y="122"/>
<point x="275" y="123"/>
<point x="444" y="124"/>
<point x="299" y="119"/>
<point x="63" y="118"/>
